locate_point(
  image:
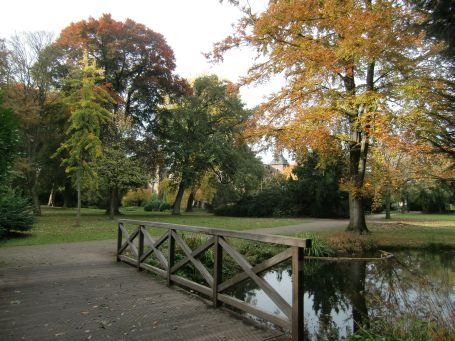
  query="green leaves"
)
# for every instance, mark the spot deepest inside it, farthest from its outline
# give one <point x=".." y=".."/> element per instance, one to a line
<point x="83" y="146"/>
<point x="9" y="138"/>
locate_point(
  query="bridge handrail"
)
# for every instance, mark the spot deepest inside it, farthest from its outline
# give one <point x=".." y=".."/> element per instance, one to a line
<point x="266" y="238"/>
<point x="215" y="287"/>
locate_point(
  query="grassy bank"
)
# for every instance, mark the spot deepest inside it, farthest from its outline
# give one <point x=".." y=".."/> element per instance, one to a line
<point x="405" y="231"/>
<point x="57" y="225"/>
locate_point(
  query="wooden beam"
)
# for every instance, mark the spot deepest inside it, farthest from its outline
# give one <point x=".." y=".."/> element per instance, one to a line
<point x="129" y="240"/>
<point x="202" y="248"/>
<point x="128" y="260"/>
<point x="154" y="247"/>
<point x="192" y="285"/>
<point x="248" y="308"/>
<point x="170" y="256"/>
<point x="154" y="269"/>
<point x="141" y="248"/>
<point x="268" y="263"/>
<point x="217" y="270"/>
<point x="297" y="294"/>
<point x="282" y="240"/>
<point x="119" y="241"/>
<point x="266" y="287"/>
<point x="196" y="262"/>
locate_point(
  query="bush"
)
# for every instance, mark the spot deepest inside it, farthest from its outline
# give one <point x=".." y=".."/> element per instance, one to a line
<point x="136" y="197"/>
<point x="165" y="206"/>
<point x="153" y="205"/>
<point x="16" y="213"/>
<point x="319" y="247"/>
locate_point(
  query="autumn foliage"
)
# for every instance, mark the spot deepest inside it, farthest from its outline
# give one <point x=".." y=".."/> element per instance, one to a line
<point x="349" y="68"/>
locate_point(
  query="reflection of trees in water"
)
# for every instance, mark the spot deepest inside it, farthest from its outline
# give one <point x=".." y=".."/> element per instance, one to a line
<point x="336" y="286"/>
<point x="417" y="286"/>
<point x="381" y="294"/>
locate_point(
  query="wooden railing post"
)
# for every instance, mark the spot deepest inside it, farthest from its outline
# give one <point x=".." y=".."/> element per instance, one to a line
<point x="119" y="241"/>
<point x="217" y="269"/>
<point x="141" y="247"/>
<point x="170" y="257"/>
<point x="297" y="293"/>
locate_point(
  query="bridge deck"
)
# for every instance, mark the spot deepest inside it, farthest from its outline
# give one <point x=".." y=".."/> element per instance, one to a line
<point x="77" y="291"/>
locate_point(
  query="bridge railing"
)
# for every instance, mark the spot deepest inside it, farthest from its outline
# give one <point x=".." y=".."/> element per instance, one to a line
<point x="141" y="247"/>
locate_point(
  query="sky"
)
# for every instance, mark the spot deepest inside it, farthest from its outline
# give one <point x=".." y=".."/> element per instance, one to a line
<point x="190" y="27"/>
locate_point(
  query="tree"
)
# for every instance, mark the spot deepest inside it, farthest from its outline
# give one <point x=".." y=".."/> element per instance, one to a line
<point x="200" y="131"/>
<point x="345" y="64"/>
<point x="241" y="175"/>
<point x="439" y="22"/>
<point x="9" y="139"/>
<point x="119" y="169"/>
<point x="83" y="146"/>
<point x="139" y="65"/>
<point x="4" y="68"/>
<point x="27" y="93"/>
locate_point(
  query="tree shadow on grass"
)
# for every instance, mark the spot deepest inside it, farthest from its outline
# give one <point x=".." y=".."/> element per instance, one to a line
<point x="14" y="235"/>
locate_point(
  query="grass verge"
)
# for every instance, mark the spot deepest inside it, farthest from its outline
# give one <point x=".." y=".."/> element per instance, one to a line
<point x="57" y="225"/>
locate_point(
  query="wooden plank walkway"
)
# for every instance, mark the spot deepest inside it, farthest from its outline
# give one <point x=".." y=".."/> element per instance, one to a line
<point x="77" y="291"/>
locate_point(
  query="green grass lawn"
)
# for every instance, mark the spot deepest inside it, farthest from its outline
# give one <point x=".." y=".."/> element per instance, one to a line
<point x="422" y="216"/>
<point x="57" y="225"/>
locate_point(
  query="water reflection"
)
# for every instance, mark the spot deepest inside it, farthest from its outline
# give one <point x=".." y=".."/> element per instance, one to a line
<point x="342" y="297"/>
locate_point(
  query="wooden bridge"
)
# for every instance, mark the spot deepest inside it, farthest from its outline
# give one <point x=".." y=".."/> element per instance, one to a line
<point x="214" y="286"/>
<point x="77" y="291"/>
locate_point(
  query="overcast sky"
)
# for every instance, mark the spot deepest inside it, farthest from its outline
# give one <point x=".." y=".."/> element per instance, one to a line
<point x="189" y="26"/>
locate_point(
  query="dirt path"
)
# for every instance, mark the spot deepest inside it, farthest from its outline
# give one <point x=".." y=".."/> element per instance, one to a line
<point x="76" y="291"/>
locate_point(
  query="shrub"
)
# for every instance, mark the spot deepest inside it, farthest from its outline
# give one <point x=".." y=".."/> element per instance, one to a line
<point x="136" y="197"/>
<point x="164" y="206"/>
<point x="153" y="205"/>
<point x="319" y="247"/>
<point x="16" y="213"/>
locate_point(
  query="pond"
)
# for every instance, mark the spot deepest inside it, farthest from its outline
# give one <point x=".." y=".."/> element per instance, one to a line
<point x="342" y="296"/>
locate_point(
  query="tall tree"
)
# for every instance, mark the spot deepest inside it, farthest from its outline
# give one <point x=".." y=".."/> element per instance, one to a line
<point x="199" y="132"/>
<point x="136" y="60"/>
<point x="345" y="65"/>
<point x="27" y="93"/>
<point x="139" y="65"/>
<point x="83" y="146"/>
<point x="9" y="138"/>
<point x="120" y="168"/>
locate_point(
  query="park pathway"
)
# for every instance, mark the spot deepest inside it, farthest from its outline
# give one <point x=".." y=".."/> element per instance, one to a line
<point x="313" y="225"/>
<point x="76" y="291"/>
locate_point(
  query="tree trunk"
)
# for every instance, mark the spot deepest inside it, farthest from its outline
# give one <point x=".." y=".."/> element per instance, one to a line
<point x="78" y="215"/>
<point x="189" y="204"/>
<point x="358" y="151"/>
<point x="178" y="199"/>
<point x="113" y="203"/>
<point x="50" y="202"/>
<point x="35" y="199"/>
<point x="357" y="221"/>
<point x="387" y="204"/>
<point x="68" y="194"/>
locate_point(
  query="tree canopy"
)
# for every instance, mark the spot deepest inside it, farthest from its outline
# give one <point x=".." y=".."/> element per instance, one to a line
<point x="349" y="68"/>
